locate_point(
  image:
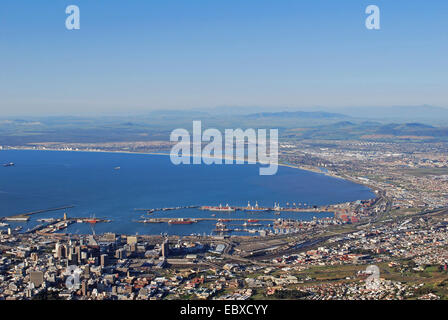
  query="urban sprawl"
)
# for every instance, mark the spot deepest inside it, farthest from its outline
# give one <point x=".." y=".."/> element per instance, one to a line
<point x="403" y="232"/>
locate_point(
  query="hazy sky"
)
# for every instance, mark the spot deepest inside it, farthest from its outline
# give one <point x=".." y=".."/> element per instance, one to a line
<point x="137" y="55"/>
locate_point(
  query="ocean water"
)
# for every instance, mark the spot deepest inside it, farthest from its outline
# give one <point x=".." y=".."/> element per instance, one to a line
<point x="46" y="179"/>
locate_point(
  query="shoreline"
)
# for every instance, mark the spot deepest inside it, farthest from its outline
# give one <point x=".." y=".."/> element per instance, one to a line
<point x="317" y="171"/>
<point x="308" y="169"/>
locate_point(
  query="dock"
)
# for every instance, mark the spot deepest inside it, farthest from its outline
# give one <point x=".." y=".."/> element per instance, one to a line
<point x="238" y="208"/>
<point x="24" y="217"/>
<point x="61" y="224"/>
<point x="161" y="220"/>
<point x="151" y="210"/>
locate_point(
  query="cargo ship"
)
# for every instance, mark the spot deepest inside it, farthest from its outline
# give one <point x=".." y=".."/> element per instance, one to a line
<point x="253" y="220"/>
<point x="46" y="220"/>
<point x="220" y="208"/>
<point x="11" y="164"/>
<point x="92" y="220"/>
<point x="181" y="221"/>
<point x="255" y="208"/>
<point x="151" y="221"/>
<point x="251" y="224"/>
<point x="221" y="227"/>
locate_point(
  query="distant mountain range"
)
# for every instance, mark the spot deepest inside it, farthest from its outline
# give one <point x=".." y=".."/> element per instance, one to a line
<point x="297" y="114"/>
<point x="410" y="123"/>
<point x="425" y="113"/>
<point x="371" y="130"/>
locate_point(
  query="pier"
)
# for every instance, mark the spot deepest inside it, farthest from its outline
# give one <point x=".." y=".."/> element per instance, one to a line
<point x="161" y="220"/>
<point x="239" y="208"/>
<point x="165" y="209"/>
<point x="23" y="217"/>
<point x="61" y="224"/>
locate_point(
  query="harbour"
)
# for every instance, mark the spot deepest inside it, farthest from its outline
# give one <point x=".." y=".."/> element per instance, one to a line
<point x="150" y="187"/>
<point x="24" y="217"/>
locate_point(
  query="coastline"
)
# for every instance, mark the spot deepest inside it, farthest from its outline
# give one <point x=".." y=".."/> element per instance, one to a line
<point x="330" y="207"/>
<point x="308" y="169"/>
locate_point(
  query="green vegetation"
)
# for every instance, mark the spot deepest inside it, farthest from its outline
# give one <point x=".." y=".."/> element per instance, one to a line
<point x="321" y="274"/>
<point x="421" y="172"/>
<point x="287" y="295"/>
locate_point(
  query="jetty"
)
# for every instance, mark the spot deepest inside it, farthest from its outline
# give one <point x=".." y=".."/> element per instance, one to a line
<point x="23" y="217"/>
<point x="161" y="220"/>
<point x="165" y="209"/>
<point x="248" y="209"/>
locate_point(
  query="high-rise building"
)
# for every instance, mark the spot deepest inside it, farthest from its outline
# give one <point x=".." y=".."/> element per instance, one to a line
<point x="87" y="271"/>
<point x="103" y="260"/>
<point x="120" y="254"/>
<point x="132" y="240"/>
<point x="84" y="287"/>
<point x="61" y="251"/>
<point x="165" y="248"/>
<point x="78" y="253"/>
<point x="34" y="256"/>
<point x="37" y="278"/>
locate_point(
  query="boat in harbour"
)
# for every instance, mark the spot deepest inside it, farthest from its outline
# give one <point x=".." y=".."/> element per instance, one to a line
<point x="221" y="227"/>
<point x="10" y="164"/>
<point x="181" y="221"/>
<point x="219" y="208"/>
<point x="255" y="208"/>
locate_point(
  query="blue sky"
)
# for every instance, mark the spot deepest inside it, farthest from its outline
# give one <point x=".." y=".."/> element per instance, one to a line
<point x="179" y="54"/>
